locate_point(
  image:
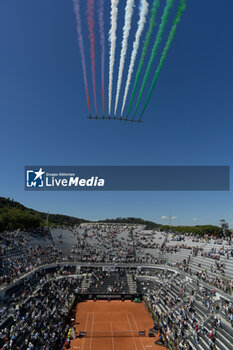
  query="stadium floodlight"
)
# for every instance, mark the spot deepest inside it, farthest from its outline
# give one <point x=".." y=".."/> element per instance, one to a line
<point x="47" y="220"/>
<point x="170" y="217"/>
<point x="224" y="227"/>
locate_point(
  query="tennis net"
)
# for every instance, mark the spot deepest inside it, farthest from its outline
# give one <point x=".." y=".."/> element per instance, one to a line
<point x="112" y="333"/>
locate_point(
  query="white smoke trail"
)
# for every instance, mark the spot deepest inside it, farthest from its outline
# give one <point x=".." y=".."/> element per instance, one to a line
<point x="112" y="39"/>
<point x="126" y="30"/>
<point x="141" y="23"/>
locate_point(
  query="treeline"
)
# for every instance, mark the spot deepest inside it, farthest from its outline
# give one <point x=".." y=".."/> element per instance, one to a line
<point x="15" y="219"/>
<point x="199" y="230"/>
<point x="60" y="220"/>
<point x="150" y="225"/>
<point x="14" y="215"/>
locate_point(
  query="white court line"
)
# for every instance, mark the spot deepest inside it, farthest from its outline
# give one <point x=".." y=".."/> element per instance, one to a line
<point x="131" y="332"/>
<point x="112" y="336"/>
<point x="137" y="329"/>
<point x="92" y="326"/>
<point x="85" y="329"/>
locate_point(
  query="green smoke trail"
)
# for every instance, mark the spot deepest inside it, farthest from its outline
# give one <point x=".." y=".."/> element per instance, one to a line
<point x="158" y="39"/>
<point x="145" y="49"/>
<point x="180" y="11"/>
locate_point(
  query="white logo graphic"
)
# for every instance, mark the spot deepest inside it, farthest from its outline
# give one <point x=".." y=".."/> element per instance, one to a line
<point x="35" y="178"/>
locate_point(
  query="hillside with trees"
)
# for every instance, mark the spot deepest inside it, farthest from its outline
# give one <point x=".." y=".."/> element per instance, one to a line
<point x="150" y="225"/>
<point x="14" y="215"/>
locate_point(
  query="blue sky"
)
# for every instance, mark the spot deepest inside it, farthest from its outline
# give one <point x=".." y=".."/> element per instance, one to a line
<point x="43" y="111"/>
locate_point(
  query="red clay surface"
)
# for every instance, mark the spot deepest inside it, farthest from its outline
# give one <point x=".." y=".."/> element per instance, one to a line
<point x="111" y="317"/>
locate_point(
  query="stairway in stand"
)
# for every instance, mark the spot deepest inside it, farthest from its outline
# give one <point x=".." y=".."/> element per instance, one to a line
<point x="86" y="283"/>
<point x="132" y="284"/>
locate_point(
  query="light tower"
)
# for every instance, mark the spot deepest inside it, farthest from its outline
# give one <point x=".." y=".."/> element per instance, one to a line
<point x="47" y="220"/>
<point x="224" y="227"/>
<point x="170" y="221"/>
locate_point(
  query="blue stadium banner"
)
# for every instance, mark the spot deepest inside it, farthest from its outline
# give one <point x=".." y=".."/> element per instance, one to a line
<point x="127" y="178"/>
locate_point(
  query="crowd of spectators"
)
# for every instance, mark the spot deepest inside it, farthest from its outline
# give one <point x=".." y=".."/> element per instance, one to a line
<point x="108" y="281"/>
<point x="228" y="310"/>
<point x="11" y="242"/>
<point x="40" y="321"/>
<point x="14" y="266"/>
<point x="114" y="244"/>
<point x="216" y="275"/>
<point x="39" y="311"/>
<point x="107" y="244"/>
<point x="181" y="320"/>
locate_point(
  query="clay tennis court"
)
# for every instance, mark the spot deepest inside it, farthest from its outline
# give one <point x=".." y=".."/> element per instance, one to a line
<point x="113" y="326"/>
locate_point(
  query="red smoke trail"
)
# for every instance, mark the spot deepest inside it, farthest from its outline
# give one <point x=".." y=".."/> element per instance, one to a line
<point x="80" y="40"/>
<point x="101" y="25"/>
<point x="90" y="10"/>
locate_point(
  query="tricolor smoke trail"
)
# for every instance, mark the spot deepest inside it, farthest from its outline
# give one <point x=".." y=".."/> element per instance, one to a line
<point x="145" y="49"/>
<point x="90" y="11"/>
<point x="142" y="20"/>
<point x="112" y="39"/>
<point x="123" y="80"/>
<point x="158" y="39"/>
<point x="124" y="46"/>
<point x="180" y="11"/>
<point x="81" y="47"/>
<point x="101" y="25"/>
